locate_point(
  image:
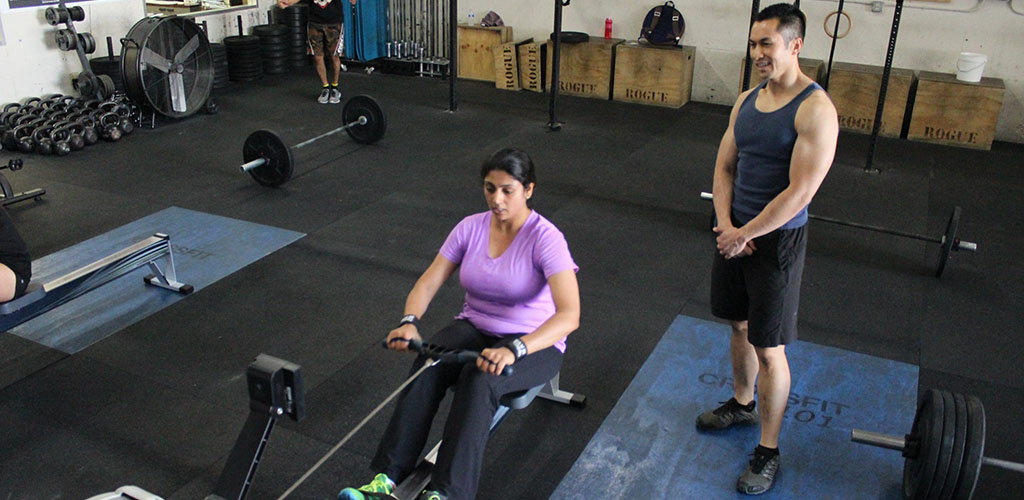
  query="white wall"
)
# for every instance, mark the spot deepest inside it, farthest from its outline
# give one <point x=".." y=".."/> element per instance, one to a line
<point x="928" y="39"/>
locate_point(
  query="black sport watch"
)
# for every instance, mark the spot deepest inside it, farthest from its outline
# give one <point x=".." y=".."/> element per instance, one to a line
<point x="410" y="319"/>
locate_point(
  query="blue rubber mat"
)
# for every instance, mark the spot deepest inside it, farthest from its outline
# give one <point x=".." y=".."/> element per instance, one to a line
<point x="648" y="446"/>
<point x="206" y="248"/>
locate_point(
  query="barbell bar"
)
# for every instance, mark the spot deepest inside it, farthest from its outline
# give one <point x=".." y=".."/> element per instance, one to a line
<point x="945" y="449"/>
<point x="269" y="160"/>
<point x="948" y="241"/>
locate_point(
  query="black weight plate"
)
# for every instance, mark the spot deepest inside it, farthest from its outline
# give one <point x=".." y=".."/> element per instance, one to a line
<point x="946" y="450"/>
<point x="276" y="54"/>
<point x="948" y="241"/>
<point x="247" y="78"/>
<point x="957" y="456"/>
<point x="240" y="40"/>
<point x="273" y="47"/>
<point x="275" y="39"/>
<point x="377" y="122"/>
<point x="77" y="13"/>
<point x="269" y="30"/>
<point x="919" y="467"/>
<point x="974" y="450"/>
<point x="54" y="16"/>
<point x="267" y="144"/>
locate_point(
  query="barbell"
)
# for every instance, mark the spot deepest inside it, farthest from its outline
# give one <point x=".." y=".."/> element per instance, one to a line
<point x="945" y="449"/>
<point x="948" y="241"/>
<point x="269" y="160"/>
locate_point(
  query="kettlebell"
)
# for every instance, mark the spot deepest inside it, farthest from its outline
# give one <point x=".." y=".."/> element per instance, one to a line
<point x="41" y="135"/>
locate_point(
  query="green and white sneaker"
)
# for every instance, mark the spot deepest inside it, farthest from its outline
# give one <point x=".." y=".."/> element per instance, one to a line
<point x="381" y="487"/>
<point x="431" y="495"/>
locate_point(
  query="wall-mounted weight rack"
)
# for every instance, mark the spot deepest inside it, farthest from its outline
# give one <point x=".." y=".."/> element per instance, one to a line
<point x="88" y="84"/>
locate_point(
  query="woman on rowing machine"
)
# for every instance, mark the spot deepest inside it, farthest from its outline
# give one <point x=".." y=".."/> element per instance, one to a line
<point x="522" y="300"/>
<point x="15" y="263"/>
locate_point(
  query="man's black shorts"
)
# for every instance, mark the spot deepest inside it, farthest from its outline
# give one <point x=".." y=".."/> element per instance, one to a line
<point x="762" y="288"/>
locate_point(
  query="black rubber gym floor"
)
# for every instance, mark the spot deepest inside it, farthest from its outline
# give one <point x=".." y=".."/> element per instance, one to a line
<point x="160" y="403"/>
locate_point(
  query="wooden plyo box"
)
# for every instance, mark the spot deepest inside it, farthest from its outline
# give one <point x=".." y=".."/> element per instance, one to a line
<point x="854" y="90"/>
<point x="810" y="67"/>
<point x="506" y="76"/>
<point x="531" y="66"/>
<point x="949" y="111"/>
<point x="649" y="74"/>
<point x="506" y="65"/>
<point x="585" y="69"/>
<point x="476" y="50"/>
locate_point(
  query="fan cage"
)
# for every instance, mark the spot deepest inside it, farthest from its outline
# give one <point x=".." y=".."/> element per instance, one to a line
<point x="150" y="87"/>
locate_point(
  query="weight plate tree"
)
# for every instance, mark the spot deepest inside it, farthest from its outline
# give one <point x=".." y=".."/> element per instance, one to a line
<point x="167" y="65"/>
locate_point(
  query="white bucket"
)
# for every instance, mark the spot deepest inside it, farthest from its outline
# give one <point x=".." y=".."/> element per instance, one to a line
<point x="970" y="66"/>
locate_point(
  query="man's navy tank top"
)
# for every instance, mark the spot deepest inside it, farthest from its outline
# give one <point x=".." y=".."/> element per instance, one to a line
<point x="765" y="142"/>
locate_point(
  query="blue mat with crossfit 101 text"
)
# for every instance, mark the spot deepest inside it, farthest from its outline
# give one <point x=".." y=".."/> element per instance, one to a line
<point x="649" y="447"/>
<point x="206" y="248"/>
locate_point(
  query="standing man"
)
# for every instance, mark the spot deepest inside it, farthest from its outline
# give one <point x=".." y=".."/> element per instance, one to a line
<point x="326" y="34"/>
<point x="773" y="157"/>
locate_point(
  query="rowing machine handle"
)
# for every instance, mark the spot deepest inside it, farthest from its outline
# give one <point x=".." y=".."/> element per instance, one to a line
<point x="444" y="354"/>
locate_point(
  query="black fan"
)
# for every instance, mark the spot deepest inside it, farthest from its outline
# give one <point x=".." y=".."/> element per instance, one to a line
<point x="167" y="65"/>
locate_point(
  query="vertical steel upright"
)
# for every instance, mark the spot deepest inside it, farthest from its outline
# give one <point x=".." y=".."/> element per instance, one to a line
<point x="453" y="51"/>
<point x="553" y="123"/>
<point x="876" y="127"/>
<point x="755" y="7"/>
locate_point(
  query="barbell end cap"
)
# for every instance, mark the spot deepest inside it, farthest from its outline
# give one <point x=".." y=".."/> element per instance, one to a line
<point x="704" y="195"/>
<point x="362" y="120"/>
<point x="969" y="246"/>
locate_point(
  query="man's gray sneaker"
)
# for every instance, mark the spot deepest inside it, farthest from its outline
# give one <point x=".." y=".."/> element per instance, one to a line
<point x="335" y="95"/>
<point x="758" y="478"/>
<point x="325" y="96"/>
<point x="729" y="414"/>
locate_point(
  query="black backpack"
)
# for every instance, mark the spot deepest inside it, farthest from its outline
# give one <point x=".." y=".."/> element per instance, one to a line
<point x="663" y="25"/>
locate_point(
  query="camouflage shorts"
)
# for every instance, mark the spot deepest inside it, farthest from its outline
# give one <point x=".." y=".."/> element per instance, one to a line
<point x="326" y="39"/>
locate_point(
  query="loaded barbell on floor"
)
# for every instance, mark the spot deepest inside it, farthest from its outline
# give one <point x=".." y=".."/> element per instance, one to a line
<point x="948" y="241"/>
<point x="269" y="160"/>
<point x="945" y="449"/>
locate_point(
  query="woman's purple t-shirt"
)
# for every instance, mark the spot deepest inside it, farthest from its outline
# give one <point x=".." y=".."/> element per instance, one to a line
<point x="510" y="293"/>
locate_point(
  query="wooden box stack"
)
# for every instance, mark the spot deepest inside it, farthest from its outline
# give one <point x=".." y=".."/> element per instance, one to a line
<point x="648" y="74"/>
<point x="476" y="50"/>
<point x="854" y="90"/>
<point x="585" y="69"/>
<point x="949" y="111"/>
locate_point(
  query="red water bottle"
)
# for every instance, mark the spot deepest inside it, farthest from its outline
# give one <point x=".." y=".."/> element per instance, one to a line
<point x="608" y="27"/>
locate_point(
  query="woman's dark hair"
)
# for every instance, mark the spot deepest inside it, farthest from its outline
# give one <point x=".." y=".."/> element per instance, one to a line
<point x="792" y="22"/>
<point x="513" y="162"/>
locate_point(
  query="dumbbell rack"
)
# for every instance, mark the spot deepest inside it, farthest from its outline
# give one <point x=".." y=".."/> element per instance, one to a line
<point x="87" y="83"/>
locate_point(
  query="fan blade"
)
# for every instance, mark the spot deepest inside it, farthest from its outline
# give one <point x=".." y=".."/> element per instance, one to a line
<point x="187" y="50"/>
<point x="155" y="60"/>
<point x="178" y="100"/>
